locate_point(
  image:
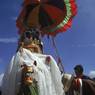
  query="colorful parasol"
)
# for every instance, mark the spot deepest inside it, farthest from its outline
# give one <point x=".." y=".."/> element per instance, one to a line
<point x="50" y="16"/>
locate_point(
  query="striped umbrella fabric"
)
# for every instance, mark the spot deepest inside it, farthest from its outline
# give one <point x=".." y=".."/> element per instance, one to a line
<point x="51" y="16"/>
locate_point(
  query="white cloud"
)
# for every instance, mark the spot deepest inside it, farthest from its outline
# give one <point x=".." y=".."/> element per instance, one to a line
<point x="83" y="45"/>
<point x="14" y="18"/>
<point x="8" y="40"/>
<point x="1" y="77"/>
<point x="92" y="74"/>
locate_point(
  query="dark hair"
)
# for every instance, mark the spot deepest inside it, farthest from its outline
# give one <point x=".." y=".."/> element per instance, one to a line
<point x="78" y="68"/>
<point x="32" y="32"/>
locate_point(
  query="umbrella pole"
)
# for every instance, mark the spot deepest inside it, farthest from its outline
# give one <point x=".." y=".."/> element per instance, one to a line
<point x="59" y="63"/>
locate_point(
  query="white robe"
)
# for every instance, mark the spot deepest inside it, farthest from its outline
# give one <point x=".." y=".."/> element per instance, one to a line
<point x="47" y="74"/>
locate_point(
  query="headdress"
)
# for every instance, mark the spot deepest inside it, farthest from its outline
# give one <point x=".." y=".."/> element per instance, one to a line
<point x="30" y="37"/>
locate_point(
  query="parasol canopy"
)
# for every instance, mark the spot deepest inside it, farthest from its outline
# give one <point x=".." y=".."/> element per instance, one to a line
<point x="50" y="16"/>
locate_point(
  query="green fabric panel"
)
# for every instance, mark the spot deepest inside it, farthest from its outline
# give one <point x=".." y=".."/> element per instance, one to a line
<point x="69" y="14"/>
<point x="29" y="89"/>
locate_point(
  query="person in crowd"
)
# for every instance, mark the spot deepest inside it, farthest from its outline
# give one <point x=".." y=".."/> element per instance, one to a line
<point x="80" y="84"/>
<point x="79" y="71"/>
<point x="83" y="84"/>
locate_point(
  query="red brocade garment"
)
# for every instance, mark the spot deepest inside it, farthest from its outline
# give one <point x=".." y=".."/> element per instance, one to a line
<point x="51" y="16"/>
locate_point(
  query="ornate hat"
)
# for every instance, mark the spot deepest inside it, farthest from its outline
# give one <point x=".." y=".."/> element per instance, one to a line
<point x="31" y="37"/>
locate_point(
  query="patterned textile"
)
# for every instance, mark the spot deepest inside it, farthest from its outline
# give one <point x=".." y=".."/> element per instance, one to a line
<point x="51" y="16"/>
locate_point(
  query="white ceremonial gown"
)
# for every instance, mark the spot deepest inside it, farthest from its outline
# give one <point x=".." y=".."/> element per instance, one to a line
<point x="47" y="74"/>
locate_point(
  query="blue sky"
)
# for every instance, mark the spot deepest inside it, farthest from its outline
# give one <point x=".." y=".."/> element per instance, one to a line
<point x="75" y="46"/>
